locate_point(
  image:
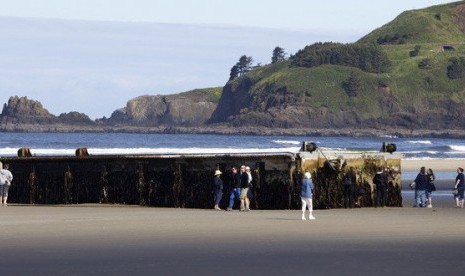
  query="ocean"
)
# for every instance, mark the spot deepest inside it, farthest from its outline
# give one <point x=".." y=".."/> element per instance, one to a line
<point x="132" y="143"/>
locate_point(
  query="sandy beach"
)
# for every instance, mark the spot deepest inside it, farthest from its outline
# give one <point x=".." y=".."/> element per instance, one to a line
<point x="123" y="240"/>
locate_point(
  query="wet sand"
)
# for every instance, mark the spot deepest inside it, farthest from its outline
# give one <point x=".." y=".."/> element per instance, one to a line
<point x="445" y="165"/>
<point x="123" y="240"/>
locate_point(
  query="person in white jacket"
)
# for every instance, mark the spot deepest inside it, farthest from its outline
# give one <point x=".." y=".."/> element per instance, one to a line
<point x="5" y="182"/>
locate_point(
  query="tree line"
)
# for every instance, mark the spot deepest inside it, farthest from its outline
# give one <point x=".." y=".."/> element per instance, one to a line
<point x="369" y="58"/>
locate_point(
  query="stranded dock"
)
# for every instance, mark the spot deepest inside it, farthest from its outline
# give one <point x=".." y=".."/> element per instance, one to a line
<point x="185" y="180"/>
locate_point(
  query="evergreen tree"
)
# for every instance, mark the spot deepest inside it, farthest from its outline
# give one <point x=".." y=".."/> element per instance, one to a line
<point x="234" y="73"/>
<point x="241" y="67"/>
<point x="352" y="84"/>
<point x="278" y="55"/>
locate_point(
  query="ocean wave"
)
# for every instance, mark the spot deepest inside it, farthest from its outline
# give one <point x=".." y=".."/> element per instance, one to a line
<point x="457" y="148"/>
<point x="287" y="142"/>
<point x="423" y="142"/>
<point x="137" y="151"/>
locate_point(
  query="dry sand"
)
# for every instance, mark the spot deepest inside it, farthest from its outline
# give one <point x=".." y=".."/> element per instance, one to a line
<point x="117" y="240"/>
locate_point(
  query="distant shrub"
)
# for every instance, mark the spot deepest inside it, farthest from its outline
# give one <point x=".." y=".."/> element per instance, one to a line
<point x="393" y="39"/>
<point x="352" y="85"/>
<point x="424" y="63"/>
<point x="438" y="16"/>
<point x="456" y="68"/>
<point x="415" y="51"/>
<point x="383" y="83"/>
<point x="369" y="58"/>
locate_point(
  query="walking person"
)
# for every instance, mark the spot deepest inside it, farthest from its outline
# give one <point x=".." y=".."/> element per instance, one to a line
<point x="244" y="177"/>
<point x="460" y="187"/>
<point x="349" y="188"/>
<point x="430" y="188"/>
<point x="235" y="181"/>
<point x="380" y="180"/>
<point x="5" y="182"/>
<point x="306" y="194"/>
<point x="419" y="184"/>
<point x="218" y="189"/>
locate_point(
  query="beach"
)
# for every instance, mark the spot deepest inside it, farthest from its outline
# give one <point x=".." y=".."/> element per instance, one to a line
<point x="445" y="165"/>
<point x="122" y="240"/>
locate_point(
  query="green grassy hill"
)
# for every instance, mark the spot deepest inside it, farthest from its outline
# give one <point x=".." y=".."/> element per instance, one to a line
<point x="284" y="95"/>
<point x="437" y="24"/>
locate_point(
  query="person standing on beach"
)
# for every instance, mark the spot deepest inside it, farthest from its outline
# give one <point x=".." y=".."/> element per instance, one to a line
<point x="420" y="184"/>
<point x="5" y="182"/>
<point x="460" y="187"/>
<point x="349" y="188"/>
<point x="306" y="194"/>
<point x="244" y="189"/>
<point x="236" y="188"/>
<point x="249" y="192"/>
<point x="380" y="180"/>
<point x="431" y="187"/>
<point x="218" y="189"/>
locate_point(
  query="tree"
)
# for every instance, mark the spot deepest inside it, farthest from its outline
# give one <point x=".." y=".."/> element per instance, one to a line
<point x="241" y="67"/>
<point x="234" y="72"/>
<point x="456" y="68"/>
<point x="352" y="84"/>
<point x="244" y="64"/>
<point x="278" y="55"/>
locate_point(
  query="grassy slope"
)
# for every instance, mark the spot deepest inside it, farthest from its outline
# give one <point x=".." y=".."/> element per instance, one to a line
<point x="423" y="26"/>
<point x="412" y="87"/>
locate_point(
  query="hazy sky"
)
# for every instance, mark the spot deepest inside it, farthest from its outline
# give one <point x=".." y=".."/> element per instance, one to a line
<point x="96" y="67"/>
<point x="293" y="14"/>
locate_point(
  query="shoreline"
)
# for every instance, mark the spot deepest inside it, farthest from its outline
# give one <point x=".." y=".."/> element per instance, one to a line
<point x="226" y="129"/>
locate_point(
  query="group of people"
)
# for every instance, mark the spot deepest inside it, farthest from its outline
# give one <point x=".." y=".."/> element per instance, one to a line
<point x="424" y="186"/>
<point x="5" y="182"/>
<point x="241" y="182"/>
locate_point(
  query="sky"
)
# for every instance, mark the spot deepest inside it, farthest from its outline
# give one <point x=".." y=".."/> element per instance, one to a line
<point x="92" y="56"/>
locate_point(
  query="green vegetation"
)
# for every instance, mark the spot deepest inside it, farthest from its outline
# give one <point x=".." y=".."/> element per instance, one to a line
<point x="369" y="58"/>
<point x="437" y="24"/>
<point x="213" y="94"/>
<point x="409" y="73"/>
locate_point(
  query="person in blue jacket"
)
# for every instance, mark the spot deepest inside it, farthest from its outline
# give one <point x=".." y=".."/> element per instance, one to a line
<point x="306" y="194"/>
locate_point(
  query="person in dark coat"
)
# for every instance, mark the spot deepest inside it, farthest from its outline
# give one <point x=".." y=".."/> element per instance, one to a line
<point x="218" y="189"/>
<point x="460" y="187"/>
<point x="420" y="185"/>
<point x="380" y="180"/>
<point x="349" y="188"/>
<point x="235" y="188"/>
<point x="245" y="185"/>
<point x="431" y="188"/>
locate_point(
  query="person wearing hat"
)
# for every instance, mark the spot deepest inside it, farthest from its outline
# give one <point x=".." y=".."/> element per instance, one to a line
<point x="218" y="189"/>
<point x="306" y="194"/>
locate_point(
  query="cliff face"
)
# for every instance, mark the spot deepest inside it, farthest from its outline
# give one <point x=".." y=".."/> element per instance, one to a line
<point x="192" y="108"/>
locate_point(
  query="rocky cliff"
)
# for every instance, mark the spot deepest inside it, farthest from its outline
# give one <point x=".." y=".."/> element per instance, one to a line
<point x="24" y="111"/>
<point x="191" y="108"/>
